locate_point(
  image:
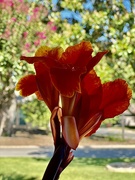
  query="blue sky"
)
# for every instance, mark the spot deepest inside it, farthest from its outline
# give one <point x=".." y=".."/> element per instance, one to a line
<point x="88" y="5"/>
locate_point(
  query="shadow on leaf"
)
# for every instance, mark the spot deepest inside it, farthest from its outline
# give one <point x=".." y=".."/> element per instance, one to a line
<point x="16" y="177"/>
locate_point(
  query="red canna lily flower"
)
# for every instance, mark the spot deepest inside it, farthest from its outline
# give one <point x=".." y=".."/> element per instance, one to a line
<point x="66" y="68"/>
<point x="67" y="77"/>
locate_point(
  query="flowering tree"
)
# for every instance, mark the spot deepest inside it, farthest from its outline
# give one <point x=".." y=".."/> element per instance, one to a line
<point x="108" y="25"/>
<point x="21" y="31"/>
<point x="67" y="82"/>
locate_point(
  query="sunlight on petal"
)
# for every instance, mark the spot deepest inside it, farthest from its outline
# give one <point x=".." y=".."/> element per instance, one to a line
<point x="90" y="125"/>
<point x="44" y="84"/>
<point x="38" y="95"/>
<point x="78" y="55"/>
<point x="42" y="51"/>
<point x="55" y="124"/>
<point x="50" y="56"/>
<point x="68" y="105"/>
<point x="96" y="127"/>
<point x="27" y="85"/>
<point x="70" y="132"/>
<point x="56" y="53"/>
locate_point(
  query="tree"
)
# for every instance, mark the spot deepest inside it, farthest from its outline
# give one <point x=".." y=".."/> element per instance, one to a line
<point x="36" y="113"/>
<point x="108" y="25"/>
<point x="21" y="31"/>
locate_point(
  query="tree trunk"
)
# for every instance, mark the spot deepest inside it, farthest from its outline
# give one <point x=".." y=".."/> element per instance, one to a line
<point x="11" y="117"/>
<point x="2" y="122"/>
<point x="8" y="115"/>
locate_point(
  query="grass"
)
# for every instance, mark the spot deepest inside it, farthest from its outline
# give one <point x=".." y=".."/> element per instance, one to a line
<point x="79" y="169"/>
<point x="110" y="138"/>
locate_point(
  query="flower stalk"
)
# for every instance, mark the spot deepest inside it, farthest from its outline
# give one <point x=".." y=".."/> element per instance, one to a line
<point x="53" y="169"/>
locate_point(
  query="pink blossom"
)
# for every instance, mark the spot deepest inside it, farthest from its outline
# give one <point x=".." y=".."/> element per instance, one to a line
<point x="13" y="19"/>
<point x="27" y="47"/>
<point x="7" y="2"/>
<point x="1" y="1"/>
<point x="25" y="34"/>
<point x="36" y="9"/>
<point x="41" y="35"/>
<point x="37" y="42"/>
<point x="49" y="23"/>
<point x="53" y="28"/>
<point x="6" y="34"/>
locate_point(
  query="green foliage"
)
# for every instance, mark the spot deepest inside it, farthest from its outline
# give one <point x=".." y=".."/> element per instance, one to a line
<point x="79" y="169"/>
<point x="107" y="25"/>
<point x="36" y="113"/>
<point x="22" y="30"/>
<point x="72" y="5"/>
<point x="104" y="71"/>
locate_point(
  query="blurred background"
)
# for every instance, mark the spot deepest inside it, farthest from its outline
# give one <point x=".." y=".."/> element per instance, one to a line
<point x="24" y="26"/>
<point x="27" y="24"/>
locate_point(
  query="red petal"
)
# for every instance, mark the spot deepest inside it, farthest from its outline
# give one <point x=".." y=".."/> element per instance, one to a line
<point x="55" y="53"/>
<point x="42" y="51"/>
<point x="46" y="55"/>
<point x="90" y="83"/>
<point x="38" y="95"/>
<point x="45" y="87"/>
<point x="95" y="128"/>
<point x="116" y="97"/>
<point x="70" y="132"/>
<point x="68" y="105"/>
<point x="78" y="55"/>
<point x="55" y="126"/>
<point x="66" y="81"/>
<point x="50" y="57"/>
<point x="90" y="125"/>
<point x="91" y="98"/>
<point x="32" y="60"/>
<point x="95" y="60"/>
<point x="47" y="60"/>
<point x="27" y="85"/>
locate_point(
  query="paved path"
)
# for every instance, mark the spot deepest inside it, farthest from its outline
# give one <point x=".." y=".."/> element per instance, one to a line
<point x="116" y="132"/>
<point x="94" y="151"/>
<point x="97" y="151"/>
<point x="105" y="152"/>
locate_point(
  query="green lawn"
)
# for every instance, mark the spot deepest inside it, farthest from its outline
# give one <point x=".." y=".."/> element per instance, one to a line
<point x="79" y="169"/>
